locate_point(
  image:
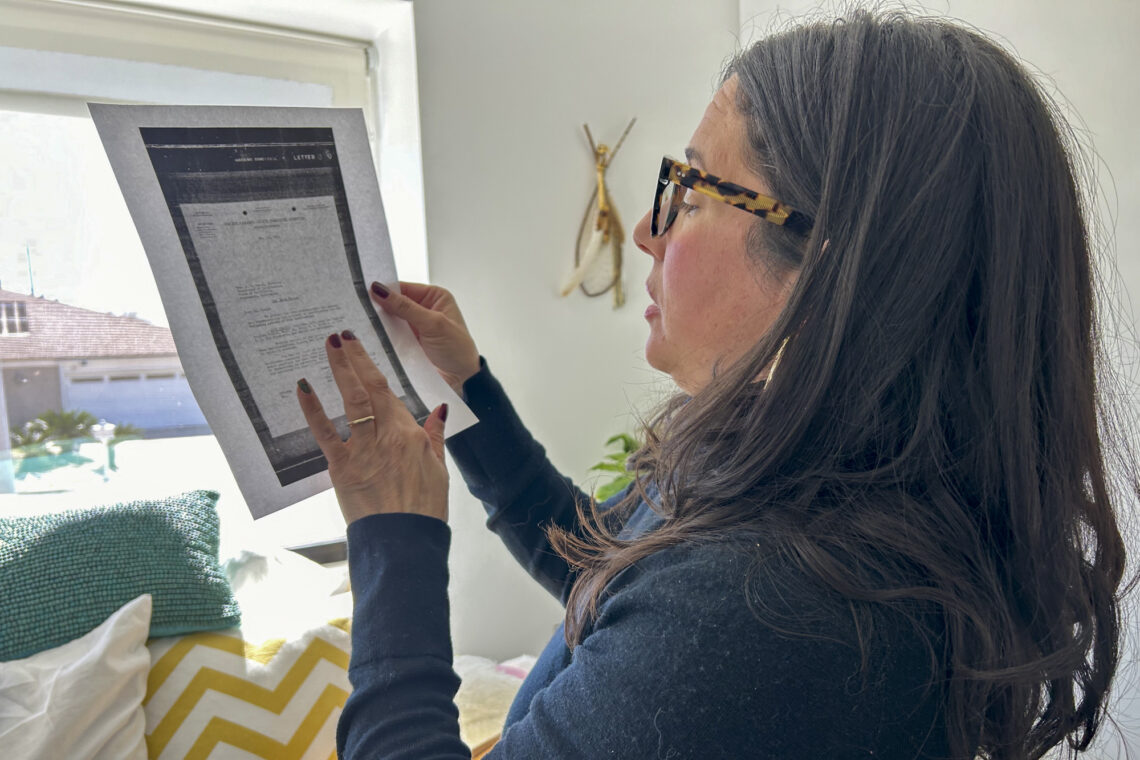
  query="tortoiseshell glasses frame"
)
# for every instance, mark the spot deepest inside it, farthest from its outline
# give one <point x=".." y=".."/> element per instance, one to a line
<point x="675" y="174"/>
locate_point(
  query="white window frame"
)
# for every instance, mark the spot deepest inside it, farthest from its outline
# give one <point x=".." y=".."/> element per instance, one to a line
<point x="377" y="74"/>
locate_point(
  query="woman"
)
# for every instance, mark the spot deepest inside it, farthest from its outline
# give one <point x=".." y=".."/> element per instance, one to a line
<point x="875" y="522"/>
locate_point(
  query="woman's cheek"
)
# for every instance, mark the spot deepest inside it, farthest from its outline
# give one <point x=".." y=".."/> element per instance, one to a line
<point x="690" y="283"/>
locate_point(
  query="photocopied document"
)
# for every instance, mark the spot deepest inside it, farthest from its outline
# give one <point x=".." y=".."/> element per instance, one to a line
<point x="264" y="228"/>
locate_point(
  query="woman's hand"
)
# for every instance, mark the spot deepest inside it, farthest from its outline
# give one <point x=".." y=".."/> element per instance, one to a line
<point x="389" y="463"/>
<point x="435" y="319"/>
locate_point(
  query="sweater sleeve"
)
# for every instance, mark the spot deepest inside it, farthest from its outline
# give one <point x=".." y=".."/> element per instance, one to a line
<point x="401" y="706"/>
<point x="507" y="469"/>
<point x="676" y="666"/>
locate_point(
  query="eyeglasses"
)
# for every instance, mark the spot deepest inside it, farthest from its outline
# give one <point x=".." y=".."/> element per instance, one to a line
<point x="674" y="174"/>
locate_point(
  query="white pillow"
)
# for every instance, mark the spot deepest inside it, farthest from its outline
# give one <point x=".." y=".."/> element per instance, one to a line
<point x="486" y="691"/>
<point x="82" y="699"/>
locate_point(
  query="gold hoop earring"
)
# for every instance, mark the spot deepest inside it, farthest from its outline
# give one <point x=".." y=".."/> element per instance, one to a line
<point x="776" y="360"/>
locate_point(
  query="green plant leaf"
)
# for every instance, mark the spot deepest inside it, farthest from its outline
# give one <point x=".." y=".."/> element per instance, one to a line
<point x="67" y="425"/>
<point x="628" y="442"/>
<point x="615" y="486"/>
<point x="31" y="433"/>
<point x="616" y="462"/>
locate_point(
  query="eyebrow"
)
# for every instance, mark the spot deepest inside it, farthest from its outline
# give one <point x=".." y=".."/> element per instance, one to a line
<point x="693" y="156"/>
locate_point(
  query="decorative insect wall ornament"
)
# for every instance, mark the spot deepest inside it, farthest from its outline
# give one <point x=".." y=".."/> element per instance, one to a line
<point x="600" y="233"/>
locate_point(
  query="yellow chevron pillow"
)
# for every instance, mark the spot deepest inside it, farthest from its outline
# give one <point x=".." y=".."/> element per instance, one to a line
<point x="215" y="692"/>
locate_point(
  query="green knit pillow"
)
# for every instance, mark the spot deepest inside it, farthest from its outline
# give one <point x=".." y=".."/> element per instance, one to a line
<point x="63" y="574"/>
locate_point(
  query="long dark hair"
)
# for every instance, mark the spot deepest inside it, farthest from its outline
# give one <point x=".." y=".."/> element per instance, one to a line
<point x="930" y="436"/>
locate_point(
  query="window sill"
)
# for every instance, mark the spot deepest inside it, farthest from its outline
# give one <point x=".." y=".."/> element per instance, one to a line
<point x="323" y="552"/>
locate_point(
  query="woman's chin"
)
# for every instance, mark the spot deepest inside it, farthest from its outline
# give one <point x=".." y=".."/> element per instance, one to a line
<point x="653" y="351"/>
<point x="656" y="357"/>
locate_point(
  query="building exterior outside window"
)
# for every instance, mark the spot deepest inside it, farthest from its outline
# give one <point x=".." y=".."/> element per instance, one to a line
<point x="118" y="368"/>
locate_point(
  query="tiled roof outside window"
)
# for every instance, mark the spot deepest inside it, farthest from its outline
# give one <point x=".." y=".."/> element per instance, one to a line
<point x="58" y="331"/>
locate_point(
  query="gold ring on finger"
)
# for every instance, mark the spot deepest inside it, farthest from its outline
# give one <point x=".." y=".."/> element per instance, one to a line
<point x="369" y="418"/>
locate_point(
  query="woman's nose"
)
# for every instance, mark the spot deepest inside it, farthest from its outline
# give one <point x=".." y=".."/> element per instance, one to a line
<point x="655" y="247"/>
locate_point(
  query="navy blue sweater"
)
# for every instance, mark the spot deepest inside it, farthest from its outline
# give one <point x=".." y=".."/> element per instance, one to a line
<point x="677" y="665"/>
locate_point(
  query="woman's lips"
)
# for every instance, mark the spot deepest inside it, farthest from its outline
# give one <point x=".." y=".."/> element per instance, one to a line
<point x="653" y="310"/>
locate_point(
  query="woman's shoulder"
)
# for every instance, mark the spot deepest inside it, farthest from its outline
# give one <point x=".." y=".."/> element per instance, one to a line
<point x="728" y="577"/>
<point x="765" y="578"/>
<point x="740" y="612"/>
<point x="744" y="586"/>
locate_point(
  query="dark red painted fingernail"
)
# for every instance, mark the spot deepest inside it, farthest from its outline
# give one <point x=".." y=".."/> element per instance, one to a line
<point x="335" y="340"/>
<point x="380" y="290"/>
<point x="443" y="413"/>
<point x="303" y="384"/>
<point x="347" y="335"/>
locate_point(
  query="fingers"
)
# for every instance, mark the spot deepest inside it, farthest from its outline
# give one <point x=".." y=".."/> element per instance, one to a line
<point x="322" y="428"/>
<point x="357" y="399"/>
<point x="433" y="426"/>
<point x="418" y="291"/>
<point x="435" y="299"/>
<point x="381" y="399"/>
<point x="366" y="393"/>
<point x="407" y="307"/>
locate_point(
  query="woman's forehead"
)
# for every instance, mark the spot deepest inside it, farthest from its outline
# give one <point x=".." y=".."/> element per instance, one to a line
<point x="718" y="144"/>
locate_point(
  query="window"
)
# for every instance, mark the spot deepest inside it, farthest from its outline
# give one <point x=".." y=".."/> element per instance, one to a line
<point x="13" y="318"/>
<point x="84" y="311"/>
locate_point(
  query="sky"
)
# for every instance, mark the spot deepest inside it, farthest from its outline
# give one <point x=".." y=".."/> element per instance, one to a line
<point x="60" y="202"/>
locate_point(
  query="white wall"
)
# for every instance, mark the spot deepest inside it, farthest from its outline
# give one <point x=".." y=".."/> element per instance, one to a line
<point x="505" y="86"/>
